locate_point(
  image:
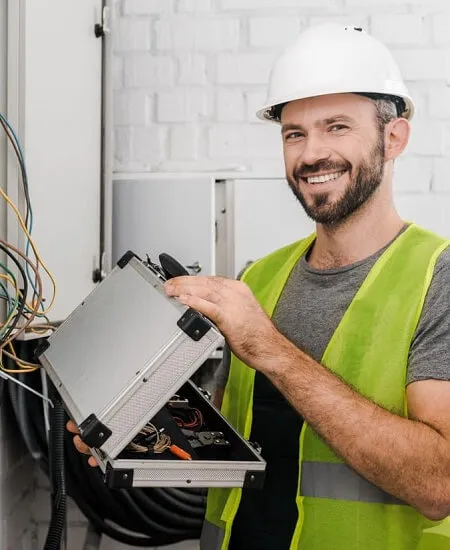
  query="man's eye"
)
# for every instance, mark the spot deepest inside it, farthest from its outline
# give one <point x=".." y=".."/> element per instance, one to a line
<point x="293" y="135"/>
<point x="338" y="127"/>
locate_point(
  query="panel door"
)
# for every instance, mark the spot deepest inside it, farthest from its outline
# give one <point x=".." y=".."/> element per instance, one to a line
<point x="266" y="216"/>
<point x="172" y="214"/>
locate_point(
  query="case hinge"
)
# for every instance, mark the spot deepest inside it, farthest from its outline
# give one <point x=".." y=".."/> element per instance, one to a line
<point x="93" y="432"/>
<point x="121" y="478"/>
<point x="253" y="480"/>
<point x="194" y="324"/>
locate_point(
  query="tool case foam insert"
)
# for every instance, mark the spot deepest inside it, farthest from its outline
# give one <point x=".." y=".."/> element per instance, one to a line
<point x="123" y="358"/>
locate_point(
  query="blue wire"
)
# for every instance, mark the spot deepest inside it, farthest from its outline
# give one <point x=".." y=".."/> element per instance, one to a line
<point x="30" y="211"/>
<point x="6" y="294"/>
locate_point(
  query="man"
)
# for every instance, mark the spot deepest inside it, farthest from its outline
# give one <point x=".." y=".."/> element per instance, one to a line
<point x="355" y="321"/>
<point x="340" y="363"/>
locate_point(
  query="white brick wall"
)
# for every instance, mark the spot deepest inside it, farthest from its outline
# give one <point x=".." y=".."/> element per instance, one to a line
<point x="185" y="33"/>
<point x="424" y="64"/>
<point x="183" y="105"/>
<point x="243" y="68"/>
<point x="270" y="32"/>
<point x="386" y="28"/>
<point x="187" y="91"/>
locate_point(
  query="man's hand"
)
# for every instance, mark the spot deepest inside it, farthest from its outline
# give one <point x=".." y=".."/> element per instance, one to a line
<point x="232" y="307"/>
<point x="80" y="446"/>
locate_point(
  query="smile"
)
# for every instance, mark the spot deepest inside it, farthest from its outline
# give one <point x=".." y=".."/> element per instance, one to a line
<point x="325" y="177"/>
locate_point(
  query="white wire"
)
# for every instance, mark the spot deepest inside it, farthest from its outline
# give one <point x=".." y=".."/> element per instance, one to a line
<point x="45" y="405"/>
<point x="6" y="376"/>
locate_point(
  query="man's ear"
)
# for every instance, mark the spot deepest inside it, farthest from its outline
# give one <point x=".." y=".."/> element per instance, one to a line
<point x="397" y="133"/>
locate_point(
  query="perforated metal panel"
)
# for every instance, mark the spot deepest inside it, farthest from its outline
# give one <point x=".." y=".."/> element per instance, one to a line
<point x="163" y="380"/>
<point x="222" y="475"/>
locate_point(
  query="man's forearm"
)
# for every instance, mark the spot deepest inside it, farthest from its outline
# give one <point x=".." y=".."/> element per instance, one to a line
<point x="406" y="458"/>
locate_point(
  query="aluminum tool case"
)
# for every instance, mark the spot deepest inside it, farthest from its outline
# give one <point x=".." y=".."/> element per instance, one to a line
<point x="117" y="361"/>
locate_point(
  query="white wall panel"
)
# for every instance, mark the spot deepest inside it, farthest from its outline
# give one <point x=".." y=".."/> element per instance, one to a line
<point x="58" y="109"/>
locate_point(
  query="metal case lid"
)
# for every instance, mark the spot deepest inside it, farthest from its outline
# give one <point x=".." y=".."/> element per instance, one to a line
<point x="123" y="352"/>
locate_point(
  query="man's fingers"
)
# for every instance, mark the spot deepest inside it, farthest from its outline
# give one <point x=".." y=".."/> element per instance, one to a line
<point x="208" y="309"/>
<point x="72" y="427"/>
<point x="80" y="446"/>
<point x="196" y="285"/>
<point x="92" y="462"/>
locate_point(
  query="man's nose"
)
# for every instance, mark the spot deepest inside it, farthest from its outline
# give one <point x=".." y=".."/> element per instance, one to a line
<point x="315" y="149"/>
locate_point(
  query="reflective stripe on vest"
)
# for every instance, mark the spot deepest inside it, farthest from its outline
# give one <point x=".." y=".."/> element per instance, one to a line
<point x="338" y="481"/>
<point x="211" y="537"/>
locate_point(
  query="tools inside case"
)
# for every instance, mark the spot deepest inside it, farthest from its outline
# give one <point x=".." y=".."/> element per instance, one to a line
<point x="180" y="431"/>
<point x="122" y="363"/>
<point x="189" y="443"/>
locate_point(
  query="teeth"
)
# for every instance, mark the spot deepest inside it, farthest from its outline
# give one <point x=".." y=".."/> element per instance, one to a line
<point x="325" y="178"/>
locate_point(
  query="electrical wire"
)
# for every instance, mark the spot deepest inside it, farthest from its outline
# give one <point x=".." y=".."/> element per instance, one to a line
<point x="12" y="137"/>
<point x="21" y="307"/>
<point x="33" y="246"/>
<point x="28" y="224"/>
<point x="35" y="268"/>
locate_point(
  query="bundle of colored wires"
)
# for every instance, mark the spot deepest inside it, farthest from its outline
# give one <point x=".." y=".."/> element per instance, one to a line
<point x="150" y="439"/>
<point x="23" y="294"/>
<point x="189" y="418"/>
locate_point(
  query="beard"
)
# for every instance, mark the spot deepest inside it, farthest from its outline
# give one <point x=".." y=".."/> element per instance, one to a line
<point x="365" y="180"/>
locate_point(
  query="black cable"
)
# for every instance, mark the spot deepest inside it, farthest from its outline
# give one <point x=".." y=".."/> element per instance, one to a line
<point x="77" y="491"/>
<point x="23" y="400"/>
<point x="57" y="527"/>
<point x="187" y="497"/>
<point x="153" y="508"/>
<point x="17" y="401"/>
<point x="149" y="523"/>
<point x="173" y="503"/>
<point x="120" y="536"/>
<point x="34" y="416"/>
<point x="99" y="495"/>
<point x="77" y="465"/>
<point x="24" y="293"/>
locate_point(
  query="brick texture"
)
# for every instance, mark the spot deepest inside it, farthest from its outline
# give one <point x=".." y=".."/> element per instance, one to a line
<point x="273" y="32"/>
<point x="189" y="76"/>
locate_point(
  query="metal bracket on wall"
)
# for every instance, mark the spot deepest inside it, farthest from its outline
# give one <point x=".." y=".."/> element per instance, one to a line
<point x="100" y="29"/>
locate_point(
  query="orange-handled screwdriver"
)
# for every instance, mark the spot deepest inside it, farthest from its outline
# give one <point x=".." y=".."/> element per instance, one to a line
<point x="180" y="453"/>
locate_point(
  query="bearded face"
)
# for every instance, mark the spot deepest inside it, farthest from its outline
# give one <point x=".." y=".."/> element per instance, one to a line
<point x="334" y="155"/>
<point x="363" y="178"/>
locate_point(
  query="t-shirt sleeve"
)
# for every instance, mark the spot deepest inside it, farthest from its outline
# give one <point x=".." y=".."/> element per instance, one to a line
<point x="429" y="356"/>
<point x="221" y="374"/>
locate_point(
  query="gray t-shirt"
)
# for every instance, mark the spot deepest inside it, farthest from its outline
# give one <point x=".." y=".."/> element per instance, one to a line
<point x="325" y="295"/>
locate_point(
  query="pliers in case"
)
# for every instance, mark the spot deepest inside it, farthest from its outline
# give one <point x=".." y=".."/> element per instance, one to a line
<point x="204" y="439"/>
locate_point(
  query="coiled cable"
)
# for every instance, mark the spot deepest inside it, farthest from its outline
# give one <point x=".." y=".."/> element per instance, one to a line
<point x="136" y="517"/>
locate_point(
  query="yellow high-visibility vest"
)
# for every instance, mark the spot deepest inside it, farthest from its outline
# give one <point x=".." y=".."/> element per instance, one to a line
<point x="337" y="508"/>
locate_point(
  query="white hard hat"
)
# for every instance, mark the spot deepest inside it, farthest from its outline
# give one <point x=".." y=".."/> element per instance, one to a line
<point x="332" y="59"/>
